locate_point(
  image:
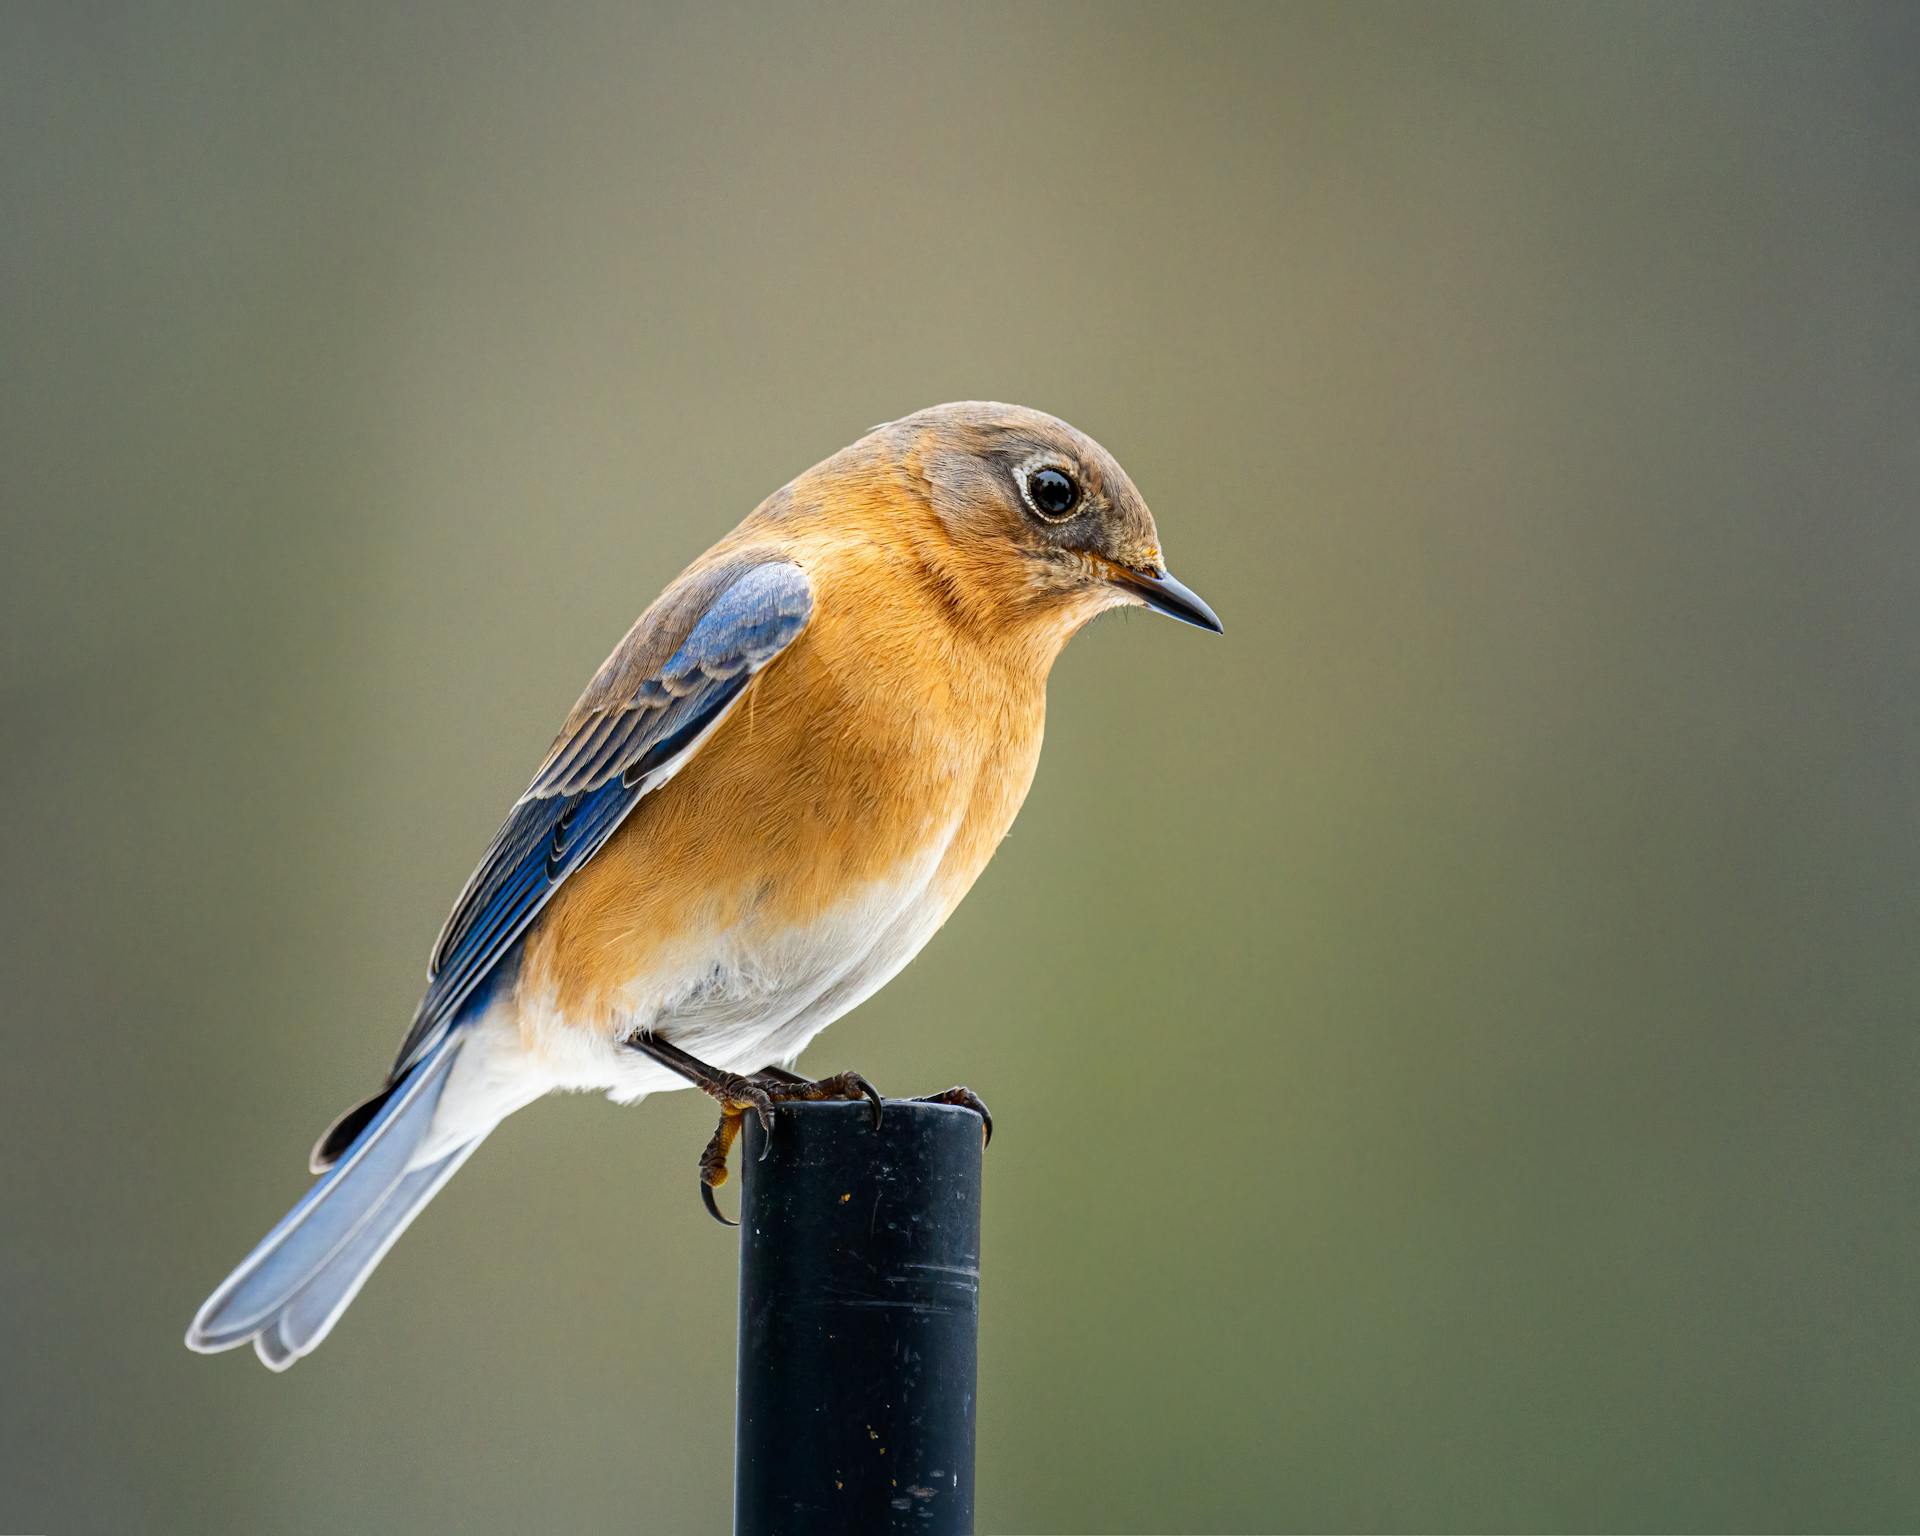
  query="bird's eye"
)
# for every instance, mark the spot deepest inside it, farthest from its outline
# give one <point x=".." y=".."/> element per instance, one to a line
<point x="1052" y="493"/>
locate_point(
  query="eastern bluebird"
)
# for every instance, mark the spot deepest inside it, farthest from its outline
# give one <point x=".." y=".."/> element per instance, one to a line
<point x="770" y="796"/>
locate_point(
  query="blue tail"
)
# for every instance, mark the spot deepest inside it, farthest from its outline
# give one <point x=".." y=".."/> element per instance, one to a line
<point x="288" y="1293"/>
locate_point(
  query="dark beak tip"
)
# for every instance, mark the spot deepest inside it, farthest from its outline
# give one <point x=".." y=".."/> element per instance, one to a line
<point x="1164" y="594"/>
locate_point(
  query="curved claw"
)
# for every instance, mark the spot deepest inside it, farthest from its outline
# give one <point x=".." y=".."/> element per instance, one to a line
<point x="713" y="1208"/>
<point x="872" y="1096"/>
<point x="966" y="1098"/>
<point x="761" y="1102"/>
<point x="713" y="1163"/>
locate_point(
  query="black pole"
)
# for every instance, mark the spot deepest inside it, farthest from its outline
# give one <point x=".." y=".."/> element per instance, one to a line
<point x="859" y="1321"/>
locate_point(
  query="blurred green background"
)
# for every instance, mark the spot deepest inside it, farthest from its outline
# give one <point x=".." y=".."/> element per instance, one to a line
<point x="1453" y="1039"/>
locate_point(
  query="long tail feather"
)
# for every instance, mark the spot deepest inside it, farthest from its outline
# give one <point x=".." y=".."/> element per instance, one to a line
<point x="303" y="1322"/>
<point x="289" y="1291"/>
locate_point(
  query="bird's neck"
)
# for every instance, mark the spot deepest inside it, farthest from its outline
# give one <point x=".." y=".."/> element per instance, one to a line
<point x="984" y="605"/>
<point x="880" y="542"/>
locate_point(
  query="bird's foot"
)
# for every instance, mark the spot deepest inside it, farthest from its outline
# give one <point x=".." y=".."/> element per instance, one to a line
<point x="737" y="1095"/>
<point x="966" y="1098"/>
<point x="759" y="1094"/>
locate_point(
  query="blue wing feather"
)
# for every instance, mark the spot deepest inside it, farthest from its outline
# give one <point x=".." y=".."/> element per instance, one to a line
<point x="598" y="772"/>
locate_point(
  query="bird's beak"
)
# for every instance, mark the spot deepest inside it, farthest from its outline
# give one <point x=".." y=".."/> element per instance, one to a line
<point x="1154" y="587"/>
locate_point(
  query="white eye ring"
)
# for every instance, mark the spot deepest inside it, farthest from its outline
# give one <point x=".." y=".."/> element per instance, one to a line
<point x="1047" y="465"/>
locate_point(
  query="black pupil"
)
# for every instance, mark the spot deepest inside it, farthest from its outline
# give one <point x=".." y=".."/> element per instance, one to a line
<point x="1052" y="491"/>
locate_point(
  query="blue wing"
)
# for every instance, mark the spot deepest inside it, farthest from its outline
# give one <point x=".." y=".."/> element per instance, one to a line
<point x="634" y="726"/>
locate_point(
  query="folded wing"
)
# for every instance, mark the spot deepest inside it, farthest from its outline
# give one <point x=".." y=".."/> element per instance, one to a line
<point x="670" y="682"/>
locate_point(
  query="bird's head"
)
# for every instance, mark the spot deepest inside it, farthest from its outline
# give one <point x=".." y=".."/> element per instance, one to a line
<point x="1034" y="525"/>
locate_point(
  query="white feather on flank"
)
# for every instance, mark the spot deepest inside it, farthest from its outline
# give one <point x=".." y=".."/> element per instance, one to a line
<point x="740" y="1000"/>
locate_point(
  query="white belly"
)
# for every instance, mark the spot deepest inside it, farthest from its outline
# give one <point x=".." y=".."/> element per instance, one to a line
<point x="749" y="997"/>
<point x="766" y="996"/>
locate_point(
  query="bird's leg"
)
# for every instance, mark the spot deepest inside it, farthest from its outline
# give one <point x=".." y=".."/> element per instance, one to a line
<point x="966" y="1098"/>
<point x="736" y="1095"/>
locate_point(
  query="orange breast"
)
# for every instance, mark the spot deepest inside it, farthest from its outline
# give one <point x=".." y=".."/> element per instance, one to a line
<point x="875" y="734"/>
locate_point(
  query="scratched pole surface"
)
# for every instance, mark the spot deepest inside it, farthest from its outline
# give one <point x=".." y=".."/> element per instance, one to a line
<point x="859" y="1322"/>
